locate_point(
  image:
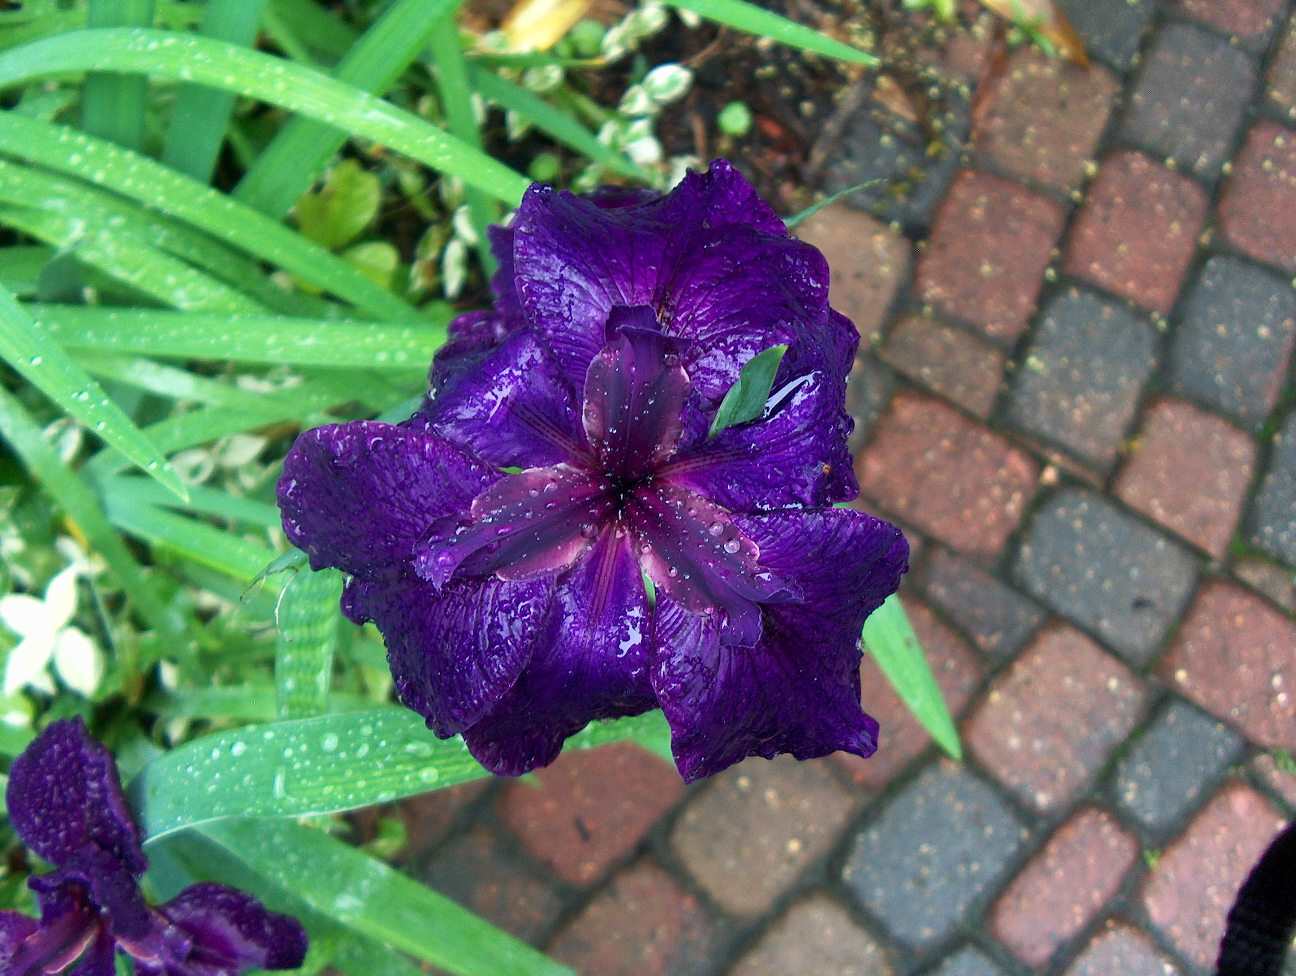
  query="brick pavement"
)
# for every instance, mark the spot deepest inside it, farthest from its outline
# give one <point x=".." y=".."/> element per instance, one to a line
<point x="1075" y="393"/>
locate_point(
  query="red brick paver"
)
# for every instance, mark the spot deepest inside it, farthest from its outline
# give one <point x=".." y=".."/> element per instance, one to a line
<point x="1063" y="886"/>
<point x="952" y="478"/>
<point x="1045" y="120"/>
<point x="948" y="360"/>
<point x="989" y="247"/>
<point x="815" y="938"/>
<point x="1278" y="776"/>
<point x="902" y="737"/>
<point x="590" y="809"/>
<point x="1248" y="20"/>
<point x="643" y="924"/>
<point x="1053" y="718"/>
<point x="1234" y="657"/>
<point x="756" y="827"/>
<point x="868" y="262"/>
<point x="1255" y="210"/>
<point x="1137" y="231"/>
<point x="1189" y="470"/>
<point x="1190" y="890"/>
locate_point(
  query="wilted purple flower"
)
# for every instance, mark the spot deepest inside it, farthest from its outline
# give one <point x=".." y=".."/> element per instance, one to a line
<point x="501" y="538"/>
<point x="66" y="803"/>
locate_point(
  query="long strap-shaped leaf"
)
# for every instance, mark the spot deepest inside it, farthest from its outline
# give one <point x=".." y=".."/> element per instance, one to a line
<point x="112" y="106"/>
<point x="198" y="541"/>
<point x="80" y="505"/>
<point x="350" y="887"/>
<point x="200" y="115"/>
<point x="139" y="178"/>
<point x="308" y="619"/>
<point x="751" y="19"/>
<point x="43" y="363"/>
<point x="312" y="766"/>
<point x="299" y="151"/>
<point x="274" y="80"/>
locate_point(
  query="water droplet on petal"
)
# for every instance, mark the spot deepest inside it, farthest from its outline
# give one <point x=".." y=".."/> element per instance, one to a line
<point x="716" y="528"/>
<point x="732" y="546"/>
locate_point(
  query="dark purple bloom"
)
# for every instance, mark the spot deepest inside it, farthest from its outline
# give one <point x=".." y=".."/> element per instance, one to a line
<point x="501" y="538"/>
<point x="65" y="801"/>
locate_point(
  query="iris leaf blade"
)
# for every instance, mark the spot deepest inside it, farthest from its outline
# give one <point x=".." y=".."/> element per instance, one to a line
<point x="746" y="399"/>
<point x="308" y="618"/>
<point x="273" y="80"/>
<point x="751" y="19"/>
<point x="361" y="893"/>
<point x="891" y="640"/>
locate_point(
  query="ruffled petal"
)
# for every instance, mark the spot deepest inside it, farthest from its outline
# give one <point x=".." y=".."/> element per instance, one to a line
<point x="99" y="958"/>
<point x="514" y="409"/>
<point x="634" y="393"/>
<point x="574" y="259"/>
<point x="456" y="651"/>
<point x="470" y="338"/>
<point x="231" y="932"/>
<point x="797" y="690"/>
<point x="64" y="795"/>
<point x="112" y="890"/>
<point x="590" y="662"/>
<point x="795" y="456"/>
<point x="358" y="496"/>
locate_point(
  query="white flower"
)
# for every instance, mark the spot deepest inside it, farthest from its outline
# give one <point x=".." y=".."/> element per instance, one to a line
<point x="43" y="625"/>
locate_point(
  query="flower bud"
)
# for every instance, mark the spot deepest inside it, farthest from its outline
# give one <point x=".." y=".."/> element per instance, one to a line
<point x="667" y="83"/>
<point x="542" y="78"/>
<point x="636" y="101"/>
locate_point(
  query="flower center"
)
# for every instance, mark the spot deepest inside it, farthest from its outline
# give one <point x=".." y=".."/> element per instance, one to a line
<point x="544" y="519"/>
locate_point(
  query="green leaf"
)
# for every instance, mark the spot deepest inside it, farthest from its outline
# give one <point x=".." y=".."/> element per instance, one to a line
<point x="746" y="399"/>
<point x="139" y="178"/>
<point x="286" y="167"/>
<point x="200" y="115"/>
<point x="751" y="19"/>
<point x="313" y="766"/>
<point x="308" y="619"/>
<point x="893" y="644"/>
<point x="353" y="889"/>
<point x="343" y="207"/>
<point x="79" y="504"/>
<point x="202" y="501"/>
<point x="21" y="267"/>
<point x="241" y="338"/>
<point x="276" y="81"/>
<point x="649" y="731"/>
<point x="553" y="122"/>
<point x="43" y="363"/>
<point x="813" y="209"/>
<point x="113" y="106"/>
<point x="243" y="703"/>
<point x="188" y="538"/>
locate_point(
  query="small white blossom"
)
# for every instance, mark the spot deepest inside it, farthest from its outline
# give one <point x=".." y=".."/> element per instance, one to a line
<point x="43" y="625"/>
<point x="667" y="83"/>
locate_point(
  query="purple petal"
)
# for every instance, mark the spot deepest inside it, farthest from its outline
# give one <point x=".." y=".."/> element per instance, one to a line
<point x="455" y="652"/>
<point x="14" y="928"/>
<point x="614" y="197"/>
<point x="574" y="259"/>
<point x="797" y="690"/>
<point x="694" y="552"/>
<point x="358" y="496"/>
<point x="532" y="522"/>
<point x="232" y="932"/>
<point x="590" y="662"/>
<point x="797" y="456"/>
<point x="112" y="890"/>
<point x="99" y="958"/>
<point x="64" y="794"/>
<point x="470" y="338"/>
<point x="514" y="409"/>
<point x="634" y="393"/>
<point x="503" y="281"/>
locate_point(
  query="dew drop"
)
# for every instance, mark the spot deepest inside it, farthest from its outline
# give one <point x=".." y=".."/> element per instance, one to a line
<point x="238" y="748"/>
<point x="672" y="572"/>
<point x="589" y="531"/>
<point x="329" y="742"/>
<point x="716" y="528"/>
<point x="732" y="546"/>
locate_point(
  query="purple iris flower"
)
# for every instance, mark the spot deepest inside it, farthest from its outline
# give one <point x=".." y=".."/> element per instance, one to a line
<point x="65" y="801"/>
<point x="502" y="538"/>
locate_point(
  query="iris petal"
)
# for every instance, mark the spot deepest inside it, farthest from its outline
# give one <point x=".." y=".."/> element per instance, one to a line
<point x="796" y="690"/>
<point x="230" y="931"/>
<point x="590" y="662"/>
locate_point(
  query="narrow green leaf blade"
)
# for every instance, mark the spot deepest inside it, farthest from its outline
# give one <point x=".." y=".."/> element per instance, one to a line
<point x="200" y="115"/>
<point x="78" y="502"/>
<point x="241" y="338"/>
<point x="308" y="619"/>
<point x="139" y="178"/>
<point x="269" y="79"/>
<point x="814" y="208"/>
<point x="649" y="731"/>
<point x="285" y="168"/>
<point x="746" y="399"/>
<point x="43" y="363"/>
<point x="553" y="122"/>
<point x="751" y="19"/>
<point x="893" y="644"/>
<point x="360" y="892"/>
<point x="189" y="538"/>
<point x="113" y="106"/>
